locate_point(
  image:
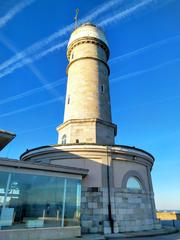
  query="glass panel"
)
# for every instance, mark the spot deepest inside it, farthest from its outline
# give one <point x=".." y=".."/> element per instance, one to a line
<point x="133" y="183"/>
<point x="73" y="198"/>
<point x="38" y="201"/>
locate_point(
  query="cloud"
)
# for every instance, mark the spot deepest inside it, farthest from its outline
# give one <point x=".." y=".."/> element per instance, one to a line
<point x="14" y="11"/>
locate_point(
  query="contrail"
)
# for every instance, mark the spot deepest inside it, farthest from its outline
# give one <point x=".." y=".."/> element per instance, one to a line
<point x="22" y="59"/>
<point x="162" y="100"/>
<point x="44" y="42"/>
<point x="36" y="129"/>
<point x="30" y="65"/>
<point x="134" y="74"/>
<point x="33" y="91"/>
<point x="61" y="81"/>
<point x="62" y="44"/>
<point x="112" y="61"/>
<point x="30" y="60"/>
<point x="26" y="60"/>
<point x="143" y="49"/>
<point x="126" y="13"/>
<point x="137" y="73"/>
<point x="32" y="106"/>
<point x="50" y="50"/>
<point x="13" y="11"/>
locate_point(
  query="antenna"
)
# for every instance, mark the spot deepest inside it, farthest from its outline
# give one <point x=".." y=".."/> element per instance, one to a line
<point x="76" y="18"/>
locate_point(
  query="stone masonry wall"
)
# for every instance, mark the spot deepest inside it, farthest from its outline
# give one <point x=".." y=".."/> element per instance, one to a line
<point x="131" y="210"/>
<point x="94" y="209"/>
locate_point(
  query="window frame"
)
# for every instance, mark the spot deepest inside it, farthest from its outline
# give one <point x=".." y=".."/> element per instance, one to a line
<point x="136" y="181"/>
<point x="64" y="139"/>
<point x="135" y="174"/>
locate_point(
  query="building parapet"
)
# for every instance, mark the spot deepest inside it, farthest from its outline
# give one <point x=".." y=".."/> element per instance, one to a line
<point x="43" y="167"/>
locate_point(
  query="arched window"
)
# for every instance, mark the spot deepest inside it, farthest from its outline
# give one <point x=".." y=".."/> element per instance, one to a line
<point x="134" y="183"/>
<point x="64" y="139"/>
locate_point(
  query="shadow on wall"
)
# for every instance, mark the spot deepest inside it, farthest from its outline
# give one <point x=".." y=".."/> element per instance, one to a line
<point x="121" y="162"/>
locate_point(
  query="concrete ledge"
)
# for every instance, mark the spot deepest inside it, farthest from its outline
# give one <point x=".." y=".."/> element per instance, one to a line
<point x="137" y="235"/>
<point x="54" y="233"/>
<point x="163" y="231"/>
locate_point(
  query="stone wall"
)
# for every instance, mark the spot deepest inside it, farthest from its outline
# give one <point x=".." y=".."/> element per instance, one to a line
<point x="87" y="94"/>
<point x="87" y="131"/>
<point x="132" y="210"/>
<point x="94" y="210"/>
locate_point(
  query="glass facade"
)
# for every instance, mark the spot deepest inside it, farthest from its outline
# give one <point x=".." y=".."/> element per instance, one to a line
<point x="28" y="200"/>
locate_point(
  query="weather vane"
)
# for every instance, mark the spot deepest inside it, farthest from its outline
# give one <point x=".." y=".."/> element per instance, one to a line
<point x="76" y="18"/>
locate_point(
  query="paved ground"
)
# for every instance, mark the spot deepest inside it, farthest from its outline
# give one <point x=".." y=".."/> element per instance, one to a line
<point x="175" y="236"/>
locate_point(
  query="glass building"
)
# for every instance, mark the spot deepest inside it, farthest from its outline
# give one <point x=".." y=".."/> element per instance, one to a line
<point x="38" y="198"/>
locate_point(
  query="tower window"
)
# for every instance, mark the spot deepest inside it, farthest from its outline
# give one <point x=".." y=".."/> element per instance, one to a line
<point x="68" y="100"/>
<point x="64" y="139"/>
<point x="102" y="88"/>
<point x="72" y="56"/>
<point x="77" y="140"/>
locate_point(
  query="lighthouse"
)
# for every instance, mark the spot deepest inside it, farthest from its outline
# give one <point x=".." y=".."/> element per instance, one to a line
<point x="115" y="192"/>
<point x="87" y="116"/>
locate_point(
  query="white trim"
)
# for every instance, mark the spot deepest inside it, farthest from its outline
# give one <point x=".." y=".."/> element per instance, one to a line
<point x="39" y="172"/>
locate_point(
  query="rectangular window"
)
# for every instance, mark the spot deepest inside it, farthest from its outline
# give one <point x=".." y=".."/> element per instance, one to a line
<point x="68" y="100"/>
<point x="102" y="88"/>
<point x="30" y="201"/>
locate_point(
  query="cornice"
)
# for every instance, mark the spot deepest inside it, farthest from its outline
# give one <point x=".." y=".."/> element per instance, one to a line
<point x="93" y="58"/>
<point x="84" y="40"/>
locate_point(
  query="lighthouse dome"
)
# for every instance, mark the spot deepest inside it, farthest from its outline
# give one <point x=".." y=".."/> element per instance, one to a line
<point x="87" y="30"/>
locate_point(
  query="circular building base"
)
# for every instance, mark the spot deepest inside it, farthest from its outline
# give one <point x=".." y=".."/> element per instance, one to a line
<point x="117" y="194"/>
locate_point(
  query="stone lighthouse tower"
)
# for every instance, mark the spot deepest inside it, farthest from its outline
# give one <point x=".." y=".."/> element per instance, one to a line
<point x="87" y="117"/>
<point x="117" y="191"/>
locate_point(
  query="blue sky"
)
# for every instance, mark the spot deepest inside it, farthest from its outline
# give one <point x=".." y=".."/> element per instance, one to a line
<point x="144" y="41"/>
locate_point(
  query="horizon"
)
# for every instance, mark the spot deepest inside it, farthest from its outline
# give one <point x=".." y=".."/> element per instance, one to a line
<point x="143" y="38"/>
